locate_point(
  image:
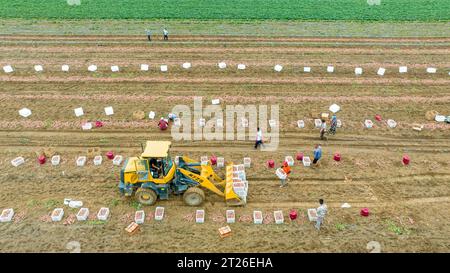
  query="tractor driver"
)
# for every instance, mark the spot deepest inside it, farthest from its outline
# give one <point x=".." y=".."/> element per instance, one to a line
<point x="155" y="167"/>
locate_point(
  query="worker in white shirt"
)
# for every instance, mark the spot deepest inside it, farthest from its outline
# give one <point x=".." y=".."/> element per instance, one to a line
<point x="165" y="34"/>
<point x="321" y="212"/>
<point x="259" y="140"/>
<point x="149" y="34"/>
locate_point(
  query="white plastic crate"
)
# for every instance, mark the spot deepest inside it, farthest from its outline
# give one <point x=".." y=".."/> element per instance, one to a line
<point x="109" y="111"/>
<point x="215" y="101"/>
<point x="222" y="65"/>
<point x="187" y="65"/>
<point x="86" y="126"/>
<point x="83" y="214"/>
<point x="280" y="173"/>
<point x="307" y="69"/>
<point x="139" y="217"/>
<point x="17" y="161"/>
<point x="8" y="69"/>
<point x="247" y="162"/>
<point x="65" y="68"/>
<point x="75" y="204"/>
<point x="164" y="68"/>
<point x="403" y="69"/>
<point x="439" y="118"/>
<point x="38" y="68"/>
<point x="151" y="115"/>
<point x="290" y="160"/>
<point x="338" y="123"/>
<point x="241" y="66"/>
<point x="330" y="69"/>
<point x="381" y="71"/>
<point x="56" y="159"/>
<point x="115" y="68"/>
<point x="98" y="160"/>
<point x="391" y="123"/>
<point x="159" y="213"/>
<point x="117" y="160"/>
<point x="257" y="217"/>
<point x="334" y="108"/>
<point x="272" y="123"/>
<point x="204" y="160"/>
<point x="312" y="215"/>
<point x="220" y="162"/>
<point x="78" y="111"/>
<point x="278" y="68"/>
<point x="368" y="123"/>
<point x="200" y="216"/>
<point x="92" y="68"/>
<point x="306" y="161"/>
<point x="431" y="70"/>
<point x="25" y="112"/>
<point x="358" y="71"/>
<point x="231" y="216"/>
<point x="57" y="214"/>
<point x="81" y="161"/>
<point x="300" y="124"/>
<point x="103" y="214"/>
<point x="317" y="123"/>
<point x="144" y="67"/>
<point x="201" y="122"/>
<point x="7" y="215"/>
<point x="278" y="216"/>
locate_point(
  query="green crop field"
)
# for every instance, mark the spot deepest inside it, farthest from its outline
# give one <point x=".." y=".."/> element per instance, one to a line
<point x="349" y="10"/>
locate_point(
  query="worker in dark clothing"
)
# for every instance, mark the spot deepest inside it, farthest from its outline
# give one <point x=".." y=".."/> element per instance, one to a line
<point x="166" y="35"/>
<point x="149" y="34"/>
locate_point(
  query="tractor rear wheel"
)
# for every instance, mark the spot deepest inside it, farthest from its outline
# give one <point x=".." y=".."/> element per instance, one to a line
<point x="146" y="196"/>
<point x="194" y="196"/>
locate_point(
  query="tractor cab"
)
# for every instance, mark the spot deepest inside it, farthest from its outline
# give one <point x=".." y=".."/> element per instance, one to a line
<point x="154" y="165"/>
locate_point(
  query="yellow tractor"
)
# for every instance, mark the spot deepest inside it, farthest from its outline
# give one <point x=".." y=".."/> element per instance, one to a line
<point x="154" y="175"/>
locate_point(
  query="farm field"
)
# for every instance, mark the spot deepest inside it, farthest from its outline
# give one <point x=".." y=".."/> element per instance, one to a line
<point x="328" y="10"/>
<point x="409" y="205"/>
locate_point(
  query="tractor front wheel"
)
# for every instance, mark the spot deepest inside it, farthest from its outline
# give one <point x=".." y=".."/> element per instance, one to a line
<point x="194" y="196"/>
<point x="146" y="196"/>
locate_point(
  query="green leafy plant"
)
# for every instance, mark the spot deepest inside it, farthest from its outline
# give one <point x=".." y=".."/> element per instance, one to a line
<point x="340" y="227"/>
<point x="51" y="203"/>
<point x="114" y="203"/>
<point x="95" y="222"/>
<point x="136" y="205"/>
<point x="397" y="229"/>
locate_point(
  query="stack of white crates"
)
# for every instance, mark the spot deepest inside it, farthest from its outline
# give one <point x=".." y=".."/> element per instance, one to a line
<point x="240" y="184"/>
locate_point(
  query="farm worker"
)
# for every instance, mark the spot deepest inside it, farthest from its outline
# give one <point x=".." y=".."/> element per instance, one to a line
<point x="321" y="212"/>
<point x="258" y="138"/>
<point x="323" y="129"/>
<point x="166" y="34"/>
<point x="171" y="116"/>
<point x="156" y="168"/>
<point x="149" y="34"/>
<point x="317" y="153"/>
<point x="162" y="124"/>
<point x="333" y="124"/>
<point x="287" y="171"/>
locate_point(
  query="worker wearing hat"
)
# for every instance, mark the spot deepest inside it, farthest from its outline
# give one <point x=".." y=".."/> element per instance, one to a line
<point x="162" y="124"/>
